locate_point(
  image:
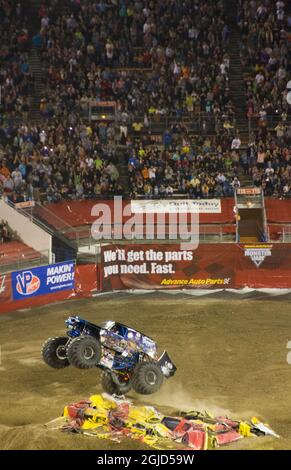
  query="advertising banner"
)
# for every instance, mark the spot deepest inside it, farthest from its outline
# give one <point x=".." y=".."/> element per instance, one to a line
<point x="43" y="280"/>
<point x="166" y="267"/>
<point x="84" y="285"/>
<point x="210" y="266"/>
<point x="175" y="206"/>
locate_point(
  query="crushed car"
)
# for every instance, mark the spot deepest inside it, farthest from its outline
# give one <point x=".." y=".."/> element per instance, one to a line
<point x="128" y="359"/>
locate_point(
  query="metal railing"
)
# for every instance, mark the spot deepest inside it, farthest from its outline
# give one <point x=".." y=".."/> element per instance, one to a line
<point x="280" y="233"/>
<point x="287" y="234"/>
<point x="29" y="214"/>
<point x="19" y="261"/>
<point x="265" y="235"/>
<point x="208" y="233"/>
<point x="196" y="122"/>
<point x="271" y="121"/>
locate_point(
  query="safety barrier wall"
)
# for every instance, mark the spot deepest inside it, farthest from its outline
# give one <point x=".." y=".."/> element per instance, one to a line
<point x="79" y="213"/>
<point x="210" y="266"/>
<point x="28" y="288"/>
<point x="151" y="267"/>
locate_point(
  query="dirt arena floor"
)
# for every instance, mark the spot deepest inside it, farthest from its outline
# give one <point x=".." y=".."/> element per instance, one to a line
<point x="231" y="357"/>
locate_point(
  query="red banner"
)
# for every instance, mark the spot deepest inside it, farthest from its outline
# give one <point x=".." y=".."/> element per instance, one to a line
<point x="211" y="266"/>
<point x="85" y="286"/>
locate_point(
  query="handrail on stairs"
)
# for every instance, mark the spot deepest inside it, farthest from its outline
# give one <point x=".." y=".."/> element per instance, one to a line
<point x="266" y="232"/>
<point x="237" y="237"/>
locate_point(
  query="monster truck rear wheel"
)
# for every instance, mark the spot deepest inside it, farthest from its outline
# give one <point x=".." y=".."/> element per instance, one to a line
<point x="113" y="385"/>
<point x="84" y="352"/>
<point x="54" y="352"/>
<point x="147" y="378"/>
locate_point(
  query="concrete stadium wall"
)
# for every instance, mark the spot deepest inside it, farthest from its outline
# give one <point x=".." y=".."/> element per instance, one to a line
<point x="30" y="233"/>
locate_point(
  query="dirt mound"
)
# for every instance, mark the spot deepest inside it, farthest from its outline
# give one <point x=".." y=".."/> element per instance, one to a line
<point x="231" y="358"/>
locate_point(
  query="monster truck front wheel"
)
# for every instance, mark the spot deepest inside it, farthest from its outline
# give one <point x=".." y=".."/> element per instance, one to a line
<point x="54" y="352"/>
<point x="84" y="352"/>
<point x="113" y="385"/>
<point x="147" y="379"/>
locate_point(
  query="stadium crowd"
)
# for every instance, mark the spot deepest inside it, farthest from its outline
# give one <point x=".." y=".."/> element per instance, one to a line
<point x="16" y="80"/>
<point x="268" y="161"/>
<point x="197" y="167"/>
<point x="55" y="162"/>
<point x="265" y="55"/>
<point x="150" y="59"/>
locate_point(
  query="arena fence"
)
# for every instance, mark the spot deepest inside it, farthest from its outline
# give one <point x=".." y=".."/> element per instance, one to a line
<point x="19" y="261"/>
<point x="79" y="230"/>
<point x="279" y="233"/>
<point x="47" y="284"/>
<point x="151" y="267"/>
<point x="271" y="121"/>
<point x="227" y="266"/>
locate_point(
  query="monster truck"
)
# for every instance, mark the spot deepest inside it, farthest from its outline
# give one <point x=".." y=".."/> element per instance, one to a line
<point x="128" y="359"/>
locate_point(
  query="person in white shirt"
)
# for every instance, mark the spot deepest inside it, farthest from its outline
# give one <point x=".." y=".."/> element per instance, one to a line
<point x="8" y="184"/>
<point x="152" y="173"/>
<point x="146" y="27"/>
<point x="43" y="136"/>
<point x="280" y="5"/>
<point x="220" y="178"/>
<point x="261" y="10"/>
<point x="89" y="162"/>
<point x="280" y="15"/>
<point x="235" y="182"/>
<point x="17" y="177"/>
<point x="45" y="21"/>
<point x="269" y="172"/>
<point x="223" y="69"/>
<point x="169" y="191"/>
<point x="260" y="78"/>
<point x="236" y="143"/>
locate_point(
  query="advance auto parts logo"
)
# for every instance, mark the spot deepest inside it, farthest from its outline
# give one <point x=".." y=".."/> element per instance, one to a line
<point x="27" y="283"/>
<point x="258" y="253"/>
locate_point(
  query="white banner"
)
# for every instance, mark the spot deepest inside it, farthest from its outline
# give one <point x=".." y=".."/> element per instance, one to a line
<point x="187" y="206"/>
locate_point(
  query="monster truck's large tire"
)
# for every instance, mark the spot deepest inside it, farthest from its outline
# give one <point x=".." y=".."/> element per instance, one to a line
<point x="147" y="378"/>
<point x="54" y="352"/>
<point x="114" y="386"/>
<point x="84" y="352"/>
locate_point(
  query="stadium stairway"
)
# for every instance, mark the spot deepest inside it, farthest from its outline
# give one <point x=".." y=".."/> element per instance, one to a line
<point x="35" y="62"/>
<point x="35" y="66"/>
<point x="121" y="164"/>
<point x="236" y="83"/>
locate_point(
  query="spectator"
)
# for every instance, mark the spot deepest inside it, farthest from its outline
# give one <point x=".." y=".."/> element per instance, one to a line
<point x="5" y="233"/>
